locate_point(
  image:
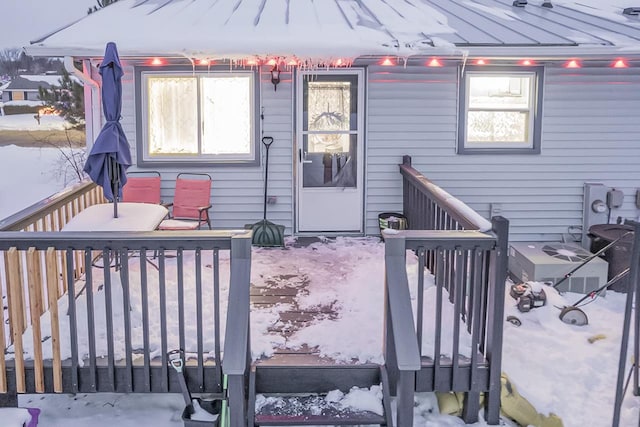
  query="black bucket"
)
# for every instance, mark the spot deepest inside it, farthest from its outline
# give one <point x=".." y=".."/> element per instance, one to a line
<point x="619" y="255"/>
<point x="213" y="407"/>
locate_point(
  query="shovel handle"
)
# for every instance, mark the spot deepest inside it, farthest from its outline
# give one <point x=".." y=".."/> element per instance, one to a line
<point x="267" y="141"/>
<point x="176" y="361"/>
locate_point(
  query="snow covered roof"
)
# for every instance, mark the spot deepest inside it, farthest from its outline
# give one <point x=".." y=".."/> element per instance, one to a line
<point x="33" y="82"/>
<point x="234" y="29"/>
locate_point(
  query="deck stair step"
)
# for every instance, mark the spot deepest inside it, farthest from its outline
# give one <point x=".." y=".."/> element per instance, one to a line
<point x="311" y="410"/>
<point x="315" y="395"/>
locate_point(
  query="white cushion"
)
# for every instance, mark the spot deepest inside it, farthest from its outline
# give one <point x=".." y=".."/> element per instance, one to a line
<point x="176" y="224"/>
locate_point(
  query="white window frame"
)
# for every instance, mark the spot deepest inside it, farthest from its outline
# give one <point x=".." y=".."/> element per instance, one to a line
<point x="534" y="110"/>
<point x="145" y="158"/>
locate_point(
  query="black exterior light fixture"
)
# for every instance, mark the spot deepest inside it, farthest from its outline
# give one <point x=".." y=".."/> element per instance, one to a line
<point x="275" y="77"/>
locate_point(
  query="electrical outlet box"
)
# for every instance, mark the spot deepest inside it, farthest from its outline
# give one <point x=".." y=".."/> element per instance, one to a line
<point x="272" y="200"/>
<point x="594" y="209"/>
<point x="614" y="198"/>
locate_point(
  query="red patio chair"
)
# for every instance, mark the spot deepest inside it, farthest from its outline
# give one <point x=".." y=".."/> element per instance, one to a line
<point x="144" y="187"/>
<point x="191" y="203"/>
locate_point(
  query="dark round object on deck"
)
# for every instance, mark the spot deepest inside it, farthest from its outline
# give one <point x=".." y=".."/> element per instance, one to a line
<point x="393" y="220"/>
<point x="619" y="255"/>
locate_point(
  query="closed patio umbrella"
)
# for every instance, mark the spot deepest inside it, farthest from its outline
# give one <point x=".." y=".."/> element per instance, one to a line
<point x="110" y="155"/>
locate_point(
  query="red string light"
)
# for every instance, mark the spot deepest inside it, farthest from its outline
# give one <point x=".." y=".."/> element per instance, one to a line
<point x="387" y="62"/>
<point x="574" y="63"/>
<point x="434" y="62"/>
<point x="620" y="63"/>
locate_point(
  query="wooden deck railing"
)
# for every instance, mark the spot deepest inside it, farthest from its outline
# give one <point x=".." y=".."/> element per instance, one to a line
<point x="50" y="214"/>
<point x="467" y="258"/>
<point x="429" y="207"/>
<point x="113" y="330"/>
<point x="429" y="355"/>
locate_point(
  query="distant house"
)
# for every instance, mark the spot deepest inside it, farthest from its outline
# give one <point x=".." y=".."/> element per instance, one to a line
<point x="23" y="90"/>
<point x="510" y="106"/>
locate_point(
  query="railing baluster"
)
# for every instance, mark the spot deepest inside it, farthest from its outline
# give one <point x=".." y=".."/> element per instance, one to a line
<point x="34" y="278"/>
<point x="126" y="307"/>
<point x="199" y="325"/>
<point x="145" y="319"/>
<point x="108" y="306"/>
<point x="52" y="292"/>
<point x="216" y="314"/>
<point x="476" y="319"/>
<point x="73" y="321"/>
<point x="457" y="311"/>
<point x="164" y="384"/>
<point x="91" y="328"/>
<point x="420" y="302"/>
<point x="180" y="271"/>
<point x="437" y="371"/>
<point x="14" y="283"/>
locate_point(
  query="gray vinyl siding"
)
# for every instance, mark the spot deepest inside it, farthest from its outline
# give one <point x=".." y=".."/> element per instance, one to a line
<point x="590" y="133"/>
<point x="237" y="192"/>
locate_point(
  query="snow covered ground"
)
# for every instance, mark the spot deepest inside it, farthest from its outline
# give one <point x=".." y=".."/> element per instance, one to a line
<point x="27" y="122"/>
<point x="40" y="170"/>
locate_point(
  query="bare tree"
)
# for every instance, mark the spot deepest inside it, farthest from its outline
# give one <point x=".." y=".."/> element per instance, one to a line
<point x="71" y="160"/>
<point x="10" y="62"/>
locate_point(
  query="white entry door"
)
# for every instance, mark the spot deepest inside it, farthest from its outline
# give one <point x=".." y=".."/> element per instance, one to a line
<point x="330" y="151"/>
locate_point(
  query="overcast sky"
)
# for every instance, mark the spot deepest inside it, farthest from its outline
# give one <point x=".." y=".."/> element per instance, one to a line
<point x="25" y="20"/>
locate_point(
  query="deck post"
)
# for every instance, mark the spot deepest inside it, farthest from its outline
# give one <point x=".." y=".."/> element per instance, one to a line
<point x="495" y="317"/>
<point x="400" y="346"/>
<point x="237" y="349"/>
<point x="406" y="386"/>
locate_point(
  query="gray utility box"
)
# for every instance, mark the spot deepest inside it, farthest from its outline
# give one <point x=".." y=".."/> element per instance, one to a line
<point x="550" y="262"/>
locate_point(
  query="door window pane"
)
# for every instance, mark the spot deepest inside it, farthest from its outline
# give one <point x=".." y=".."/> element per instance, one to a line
<point x="326" y="166"/>
<point x="329" y="106"/>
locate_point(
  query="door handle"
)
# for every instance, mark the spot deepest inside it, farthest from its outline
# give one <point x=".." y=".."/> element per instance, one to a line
<point x="303" y="158"/>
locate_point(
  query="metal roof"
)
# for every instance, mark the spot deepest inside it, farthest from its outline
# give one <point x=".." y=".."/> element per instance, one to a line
<point x="332" y="28"/>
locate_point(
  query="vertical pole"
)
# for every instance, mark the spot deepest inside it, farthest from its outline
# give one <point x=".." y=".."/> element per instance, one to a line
<point x="495" y="317"/>
<point x="632" y="287"/>
<point x="237" y="352"/>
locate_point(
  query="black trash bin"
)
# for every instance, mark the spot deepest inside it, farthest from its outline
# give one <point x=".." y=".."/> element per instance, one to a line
<point x="393" y="220"/>
<point x="619" y="255"/>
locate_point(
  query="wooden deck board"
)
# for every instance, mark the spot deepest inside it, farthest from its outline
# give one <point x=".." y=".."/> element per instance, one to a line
<point x="284" y="290"/>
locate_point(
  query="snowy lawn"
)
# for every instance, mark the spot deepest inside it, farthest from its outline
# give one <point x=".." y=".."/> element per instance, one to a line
<point x="27" y="122"/>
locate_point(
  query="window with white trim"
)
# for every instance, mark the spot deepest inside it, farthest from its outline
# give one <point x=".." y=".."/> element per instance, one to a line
<point x="500" y="110"/>
<point x="197" y="118"/>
